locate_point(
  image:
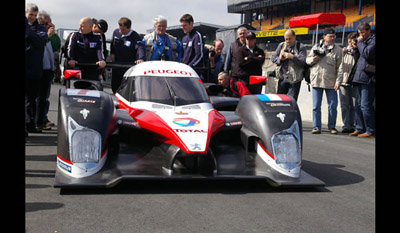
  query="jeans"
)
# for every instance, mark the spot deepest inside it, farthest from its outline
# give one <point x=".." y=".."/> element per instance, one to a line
<point x="347" y="96"/>
<point x="365" y="113"/>
<point x="42" y="101"/>
<point x="332" y="99"/>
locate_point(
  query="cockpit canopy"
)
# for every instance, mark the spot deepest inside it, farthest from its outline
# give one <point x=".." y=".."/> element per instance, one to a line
<point x="175" y="91"/>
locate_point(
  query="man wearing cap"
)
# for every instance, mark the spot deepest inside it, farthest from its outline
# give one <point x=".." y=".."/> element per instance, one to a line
<point x="251" y="59"/>
<point x="100" y="27"/>
<point x="326" y="74"/>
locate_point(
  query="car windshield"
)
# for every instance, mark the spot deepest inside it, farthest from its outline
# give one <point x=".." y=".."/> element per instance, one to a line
<point x="169" y="90"/>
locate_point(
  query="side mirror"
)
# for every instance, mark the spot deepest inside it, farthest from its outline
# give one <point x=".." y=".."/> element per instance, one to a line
<point x="72" y="73"/>
<point x="257" y="80"/>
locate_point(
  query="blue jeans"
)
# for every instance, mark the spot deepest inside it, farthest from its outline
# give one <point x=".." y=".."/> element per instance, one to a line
<point x="365" y="113"/>
<point x="332" y="99"/>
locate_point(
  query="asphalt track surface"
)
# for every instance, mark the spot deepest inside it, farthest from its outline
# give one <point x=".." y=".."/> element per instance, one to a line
<point x="346" y="204"/>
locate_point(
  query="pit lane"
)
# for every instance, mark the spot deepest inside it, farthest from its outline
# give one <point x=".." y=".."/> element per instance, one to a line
<point x="346" y="204"/>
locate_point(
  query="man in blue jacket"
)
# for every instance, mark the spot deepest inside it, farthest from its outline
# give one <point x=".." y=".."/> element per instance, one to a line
<point x="35" y="41"/>
<point x="126" y="47"/>
<point x="364" y="78"/>
<point x="192" y="43"/>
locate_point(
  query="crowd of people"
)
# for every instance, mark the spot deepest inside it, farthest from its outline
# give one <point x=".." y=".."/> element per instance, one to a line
<point x="349" y="71"/>
<point x="330" y="69"/>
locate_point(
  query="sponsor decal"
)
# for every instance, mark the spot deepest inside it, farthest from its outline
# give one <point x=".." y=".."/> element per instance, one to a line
<point x="64" y="166"/>
<point x="186" y="122"/>
<point x="281" y="116"/>
<point x="181" y="113"/>
<point x="190" y="130"/>
<point x="196" y="146"/>
<point x="180" y="72"/>
<point x="272" y="33"/>
<point x="130" y="123"/>
<point x="127" y="43"/>
<point x="233" y="123"/>
<point x="279" y="104"/>
<point x="79" y="100"/>
<point x="84" y="113"/>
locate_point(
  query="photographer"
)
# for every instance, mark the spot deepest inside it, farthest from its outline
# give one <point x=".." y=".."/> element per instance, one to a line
<point x="290" y="58"/>
<point x="216" y="59"/>
<point x="364" y="78"/>
<point x="325" y="59"/>
<point x="347" y="91"/>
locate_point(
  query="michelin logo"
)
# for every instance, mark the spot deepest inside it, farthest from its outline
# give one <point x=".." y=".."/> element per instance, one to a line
<point x="64" y="166"/>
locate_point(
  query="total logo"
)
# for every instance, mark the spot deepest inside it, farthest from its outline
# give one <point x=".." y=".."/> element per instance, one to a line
<point x="186" y="122"/>
<point x="190" y="130"/>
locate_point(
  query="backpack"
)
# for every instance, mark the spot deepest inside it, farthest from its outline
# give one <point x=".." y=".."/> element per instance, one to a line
<point x="306" y="70"/>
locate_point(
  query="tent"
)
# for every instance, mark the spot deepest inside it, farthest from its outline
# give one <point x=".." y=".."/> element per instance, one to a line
<point x="318" y="21"/>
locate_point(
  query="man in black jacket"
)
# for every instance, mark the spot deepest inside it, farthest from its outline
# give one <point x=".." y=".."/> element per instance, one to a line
<point x="231" y="61"/>
<point x="251" y="59"/>
<point x="86" y="47"/>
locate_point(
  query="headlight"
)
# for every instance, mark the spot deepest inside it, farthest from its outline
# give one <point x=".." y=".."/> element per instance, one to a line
<point x="286" y="147"/>
<point x="85" y="143"/>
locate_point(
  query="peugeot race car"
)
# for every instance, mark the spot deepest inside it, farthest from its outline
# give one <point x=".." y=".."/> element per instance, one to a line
<point x="161" y="124"/>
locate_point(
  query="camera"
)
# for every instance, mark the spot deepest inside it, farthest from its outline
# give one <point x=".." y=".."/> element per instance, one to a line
<point x="212" y="53"/>
<point x="319" y="51"/>
<point x="163" y="57"/>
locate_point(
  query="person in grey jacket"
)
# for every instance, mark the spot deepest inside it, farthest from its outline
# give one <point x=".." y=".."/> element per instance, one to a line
<point x="347" y="91"/>
<point x="326" y="74"/>
<point x="364" y="77"/>
<point x="290" y="58"/>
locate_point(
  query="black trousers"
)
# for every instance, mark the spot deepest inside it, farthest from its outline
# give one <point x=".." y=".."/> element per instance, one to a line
<point x="117" y="74"/>
<point x="32" y="88"/>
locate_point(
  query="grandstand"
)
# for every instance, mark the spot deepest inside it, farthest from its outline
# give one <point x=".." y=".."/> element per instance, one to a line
<point x="275" y="14"/>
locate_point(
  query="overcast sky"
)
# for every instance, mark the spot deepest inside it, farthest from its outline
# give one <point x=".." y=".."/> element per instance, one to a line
<point x="67" y="13"/>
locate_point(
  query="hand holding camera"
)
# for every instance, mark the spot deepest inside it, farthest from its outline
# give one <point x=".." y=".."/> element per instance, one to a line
<point x="286" y="55"/>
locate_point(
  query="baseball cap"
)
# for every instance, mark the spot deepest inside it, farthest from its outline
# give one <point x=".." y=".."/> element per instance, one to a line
<point x="329" y="31"/>
<point x="102" y="24"/>
<point x="251" y="35"/>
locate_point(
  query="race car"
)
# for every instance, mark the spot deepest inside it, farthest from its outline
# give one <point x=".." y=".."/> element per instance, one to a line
<point x="161" y="124"/>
